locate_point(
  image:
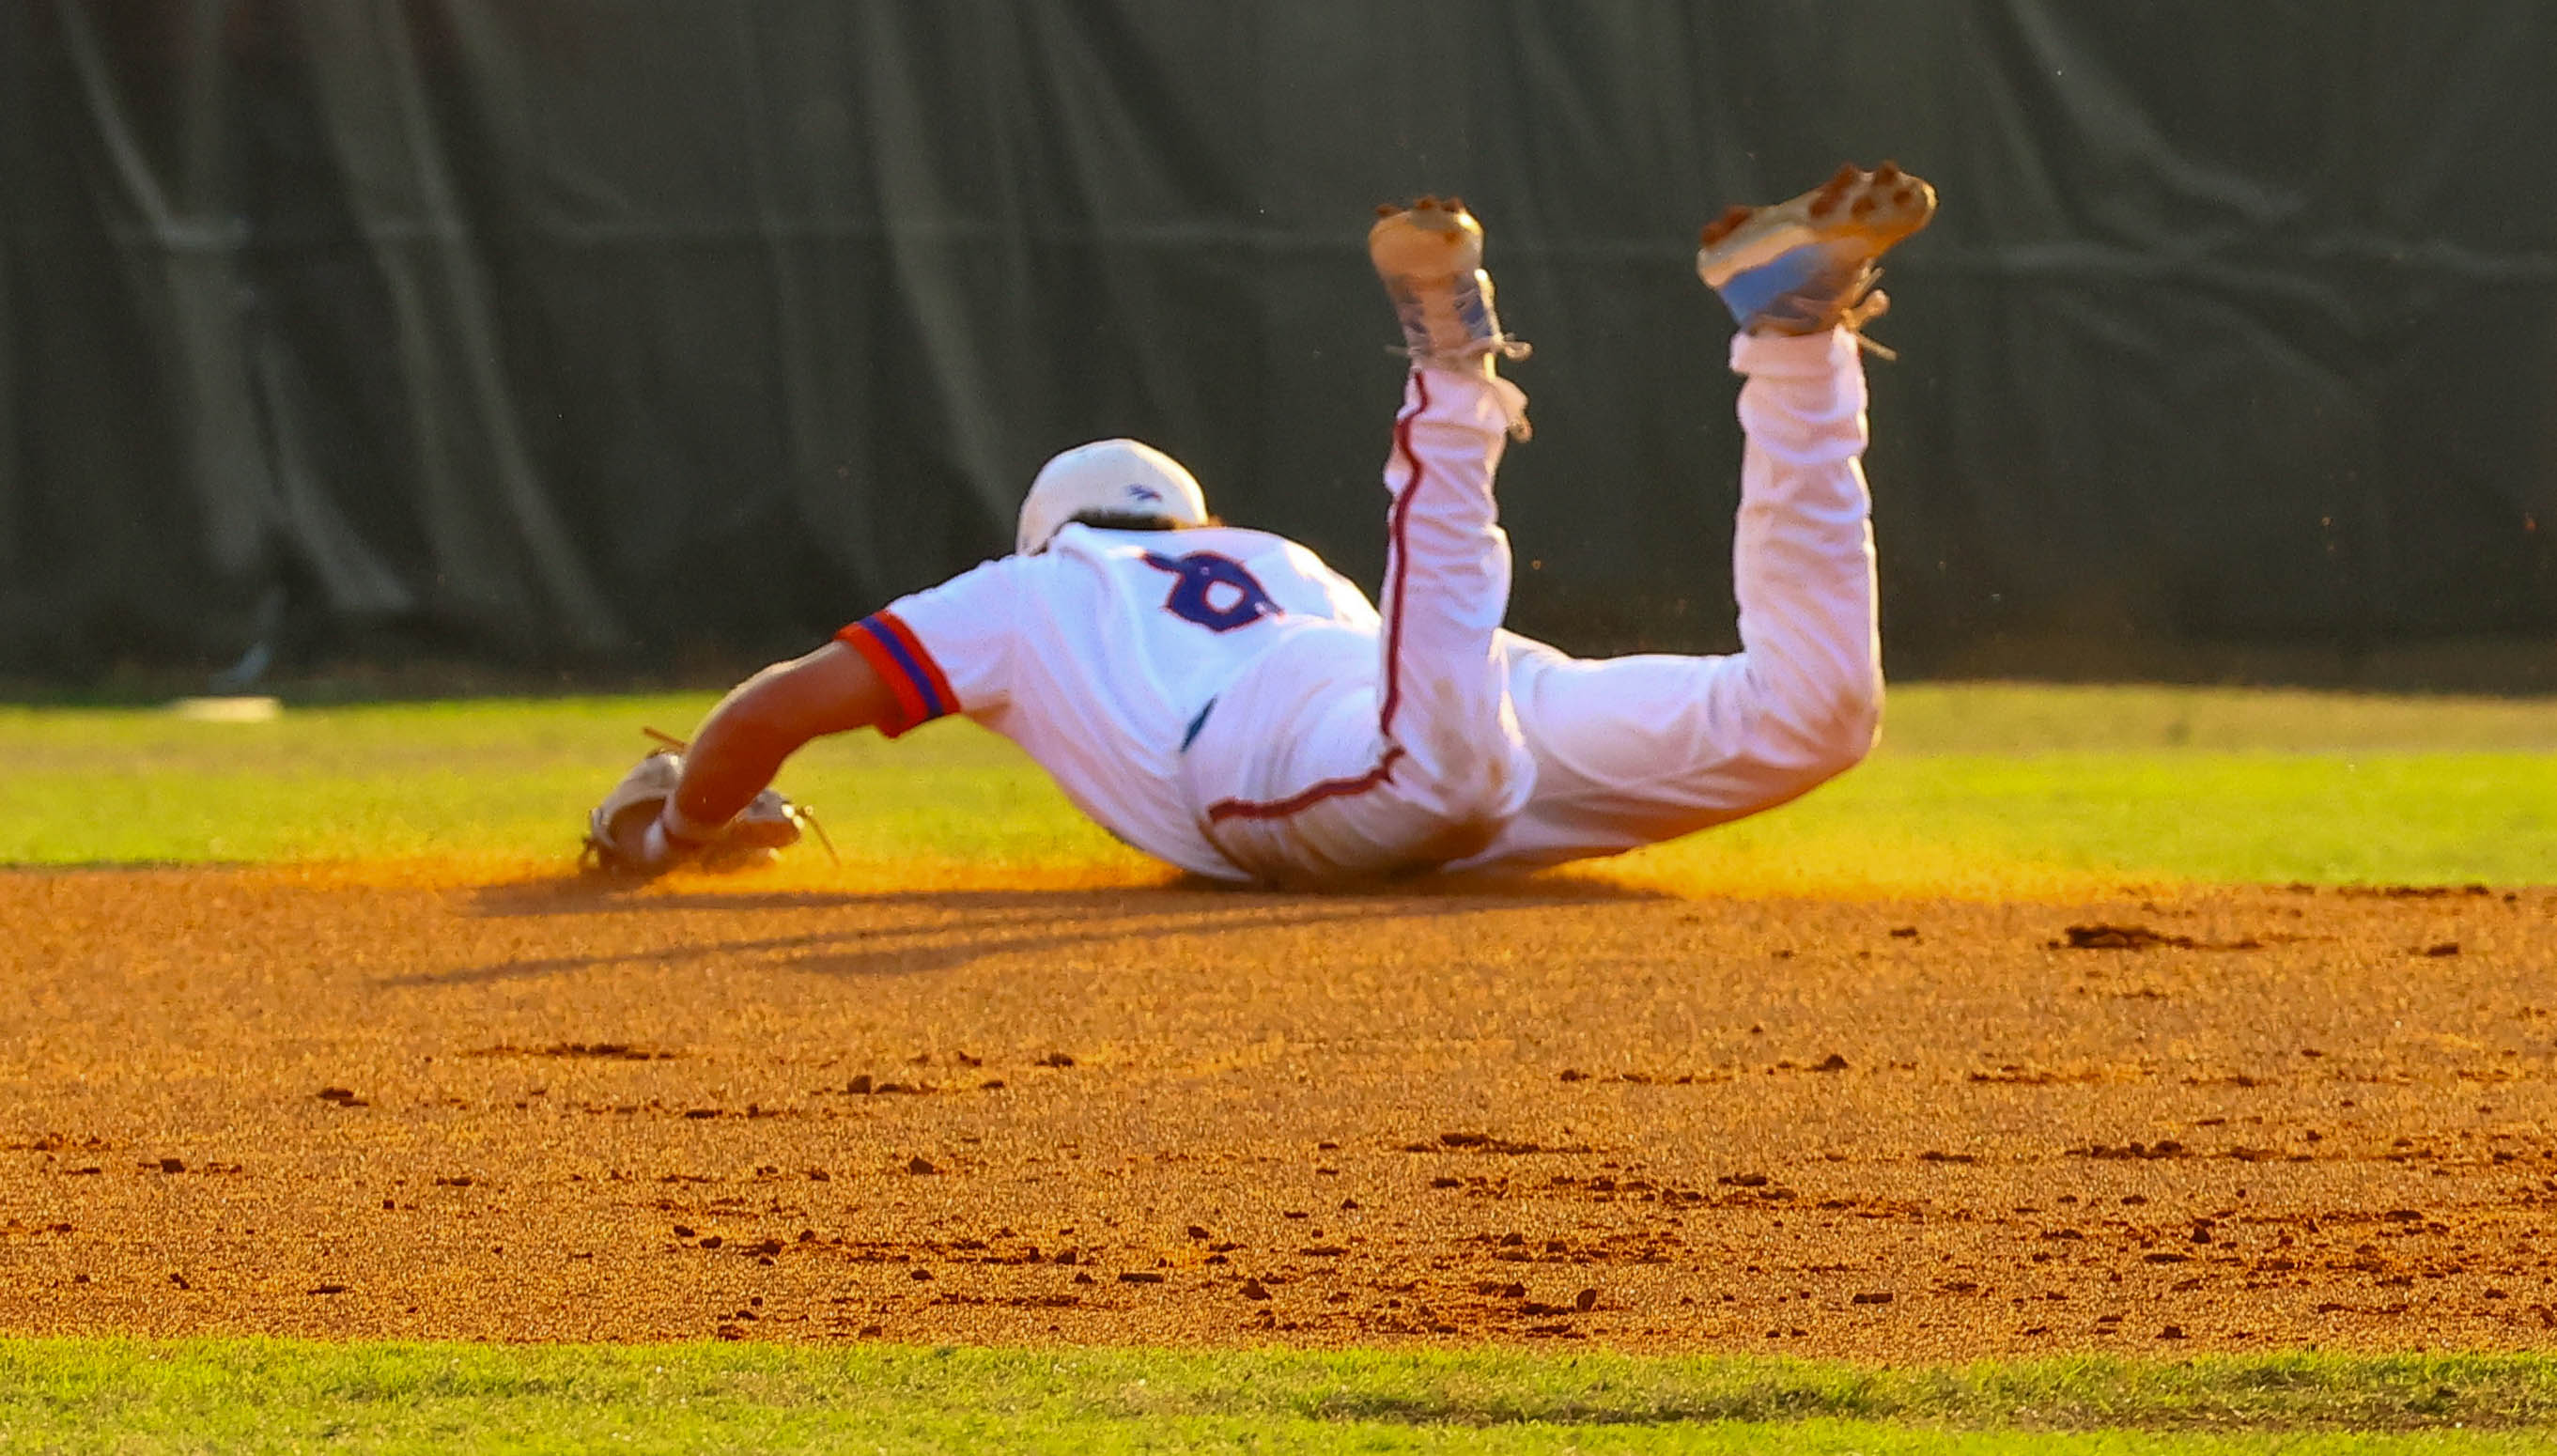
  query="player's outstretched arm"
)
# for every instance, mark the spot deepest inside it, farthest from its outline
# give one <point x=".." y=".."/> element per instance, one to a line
<point x="766" y="719"/>
<point x="712" y="796"/>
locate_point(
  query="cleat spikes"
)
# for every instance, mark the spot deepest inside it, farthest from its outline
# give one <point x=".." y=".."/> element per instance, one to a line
<point x="1832" y="192"/>
<point x="1386" y="210"/>
<point x="1725" y="225"/>
<point x="1427" y="204"/>
<point x="1455" y="205"/>
<point x="1806" y="266"/>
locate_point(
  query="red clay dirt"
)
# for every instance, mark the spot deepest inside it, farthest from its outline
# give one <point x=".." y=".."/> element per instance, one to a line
<point x="349" y="1105"/>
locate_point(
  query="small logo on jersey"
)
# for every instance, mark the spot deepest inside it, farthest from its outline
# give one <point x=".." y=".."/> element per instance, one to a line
<point x="1216" y="592"/>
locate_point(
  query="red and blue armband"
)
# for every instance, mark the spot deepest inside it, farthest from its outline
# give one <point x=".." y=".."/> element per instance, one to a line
<point x="892" y="648"/>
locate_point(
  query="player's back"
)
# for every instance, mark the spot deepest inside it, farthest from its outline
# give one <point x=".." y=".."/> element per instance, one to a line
<point x="1102" y="655"/>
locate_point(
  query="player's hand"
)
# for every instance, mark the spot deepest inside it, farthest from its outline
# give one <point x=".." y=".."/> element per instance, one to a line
<point x="617" y="841"/>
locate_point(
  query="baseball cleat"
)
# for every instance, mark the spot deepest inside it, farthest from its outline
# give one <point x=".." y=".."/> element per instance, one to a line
<point x="1806" y="266"/>
<point x="1430" y="257"/>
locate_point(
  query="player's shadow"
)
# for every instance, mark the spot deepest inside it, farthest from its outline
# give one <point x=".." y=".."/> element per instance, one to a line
<point x="589" y="894"/>
<point x="926" y="931"/>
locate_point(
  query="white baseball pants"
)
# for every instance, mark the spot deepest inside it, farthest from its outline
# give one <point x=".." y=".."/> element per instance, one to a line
<point x="1466" y="745"/>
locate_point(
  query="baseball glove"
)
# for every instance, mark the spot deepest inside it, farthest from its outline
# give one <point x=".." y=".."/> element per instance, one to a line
<point x="615" y="832"/>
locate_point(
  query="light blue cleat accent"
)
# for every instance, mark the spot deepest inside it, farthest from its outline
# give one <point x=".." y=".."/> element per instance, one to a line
<point x="1429" y="257"/>
<point x="1806" y="266"/>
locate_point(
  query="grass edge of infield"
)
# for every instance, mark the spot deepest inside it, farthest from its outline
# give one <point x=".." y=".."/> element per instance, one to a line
<point x="2292" y="1391"/>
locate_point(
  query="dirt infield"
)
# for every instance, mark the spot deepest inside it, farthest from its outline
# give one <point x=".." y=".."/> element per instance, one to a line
<point x="339" y="1105"/>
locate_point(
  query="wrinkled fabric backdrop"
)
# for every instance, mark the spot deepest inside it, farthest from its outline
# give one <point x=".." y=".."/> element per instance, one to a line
<point x="598" y="334"/>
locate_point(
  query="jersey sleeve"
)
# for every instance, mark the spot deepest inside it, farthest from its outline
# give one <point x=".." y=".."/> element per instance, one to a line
<point x="945" y="650"/>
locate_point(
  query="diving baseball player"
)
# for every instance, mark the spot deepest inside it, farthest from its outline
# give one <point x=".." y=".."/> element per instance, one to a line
<point x="1221" y="699"/>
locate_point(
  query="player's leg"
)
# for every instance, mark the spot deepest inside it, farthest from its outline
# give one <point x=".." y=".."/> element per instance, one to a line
<point x="1631" y="751"/>
<point x="1418" y="760"/>
<point x="1441" y="675"/>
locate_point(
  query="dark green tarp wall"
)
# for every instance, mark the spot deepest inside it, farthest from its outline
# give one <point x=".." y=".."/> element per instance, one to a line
<point x="602" y="334"/>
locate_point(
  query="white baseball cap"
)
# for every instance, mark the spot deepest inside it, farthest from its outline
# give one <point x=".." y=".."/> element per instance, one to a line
<point x="1119" y="477"/>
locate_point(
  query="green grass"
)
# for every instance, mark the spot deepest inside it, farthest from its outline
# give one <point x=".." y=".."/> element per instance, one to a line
<point x="1965" y="822"/>
<point x="488" y="780"/>
<point x="234" y="1396"/>
<point x="1982" y="788"/>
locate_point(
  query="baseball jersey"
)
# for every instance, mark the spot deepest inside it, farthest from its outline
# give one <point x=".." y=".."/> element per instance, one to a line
<point x="1102" y="656"/>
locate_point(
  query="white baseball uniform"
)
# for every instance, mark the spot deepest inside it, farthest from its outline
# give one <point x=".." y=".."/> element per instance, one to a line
<point x="1222" y="699"/>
